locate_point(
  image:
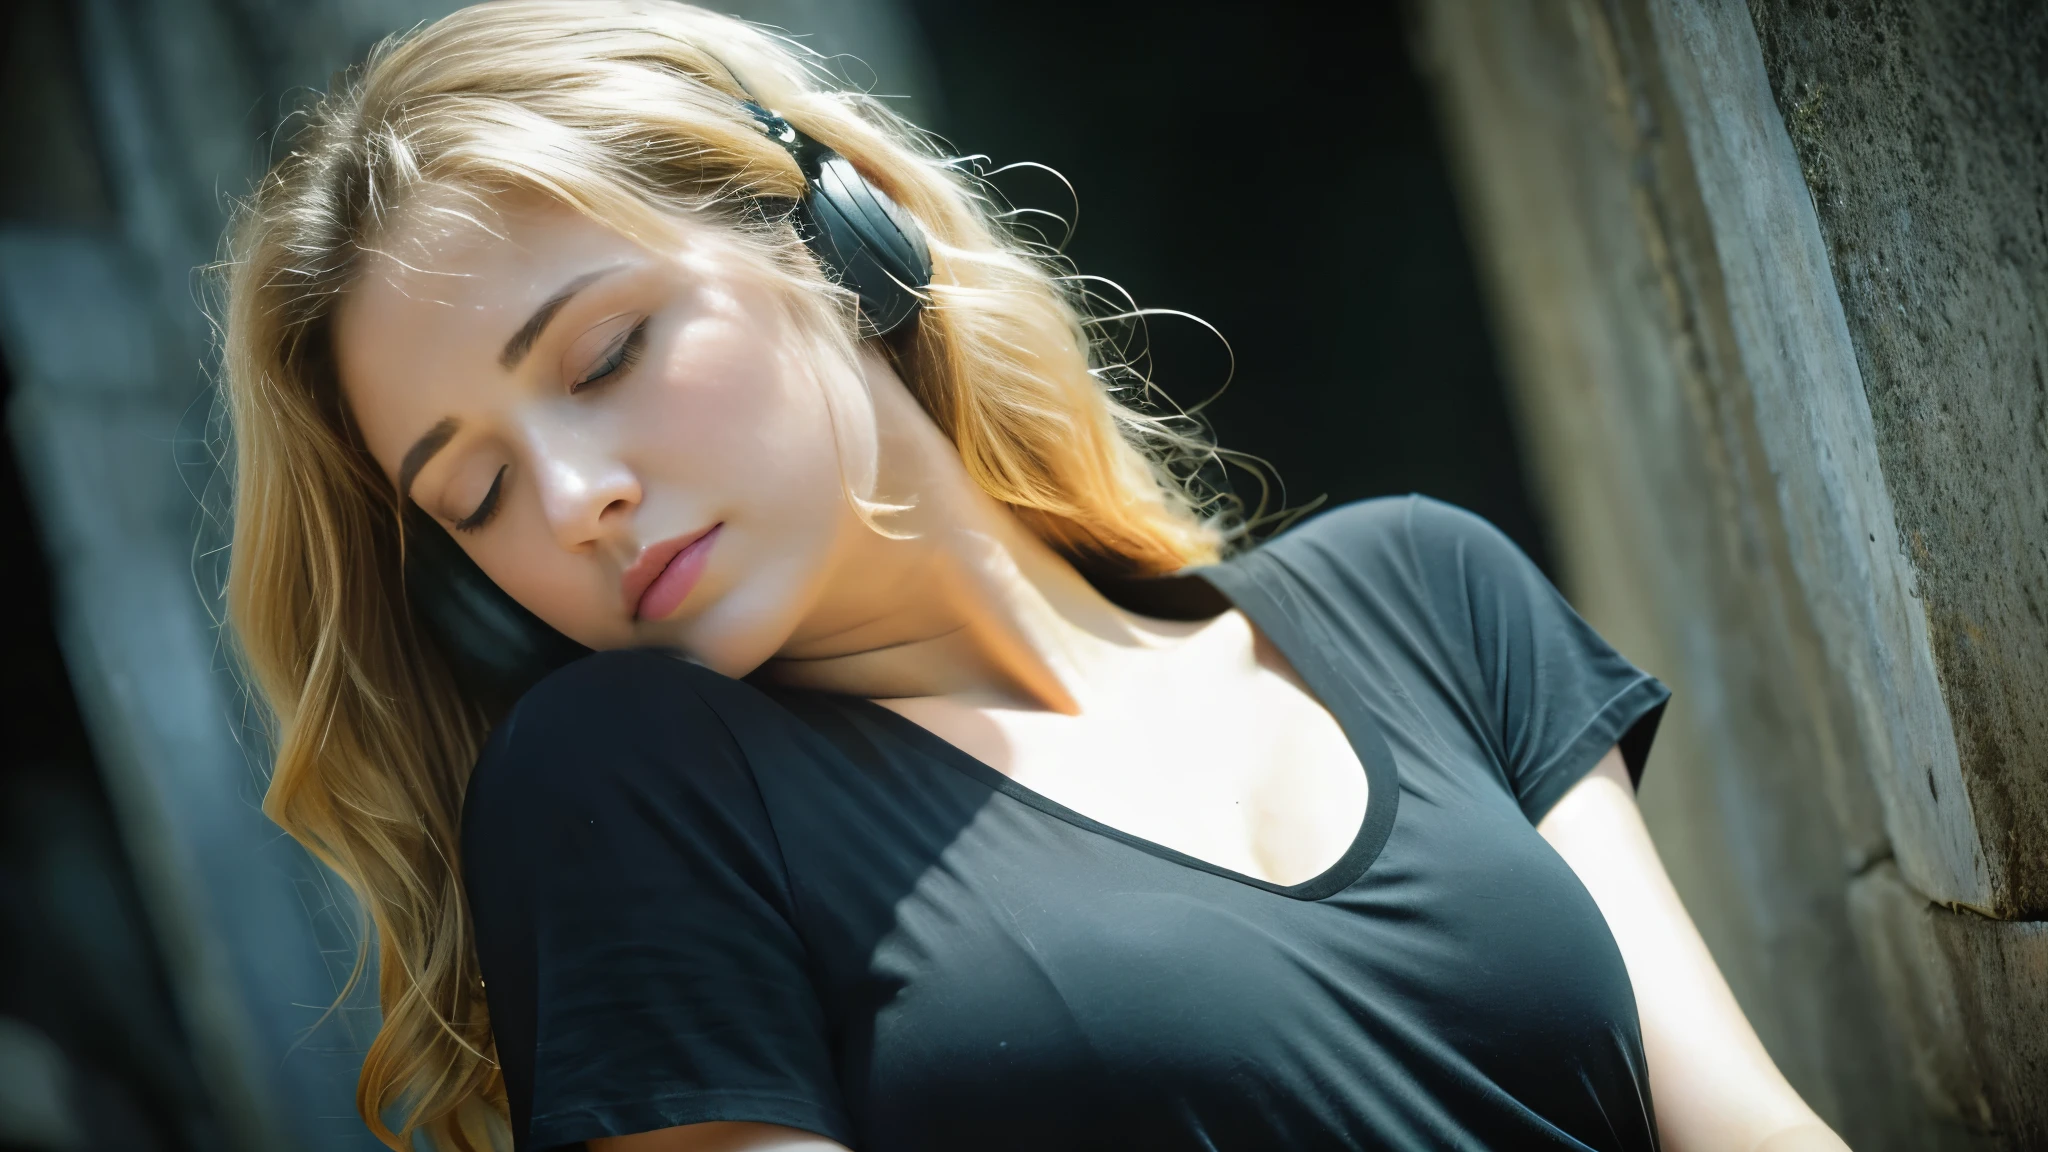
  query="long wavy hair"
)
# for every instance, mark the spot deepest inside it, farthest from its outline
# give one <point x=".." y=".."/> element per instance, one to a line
<point x="627" y="111"/>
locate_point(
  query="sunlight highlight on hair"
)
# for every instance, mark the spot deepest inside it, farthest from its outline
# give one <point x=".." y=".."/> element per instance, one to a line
<point x="626" y="111"/>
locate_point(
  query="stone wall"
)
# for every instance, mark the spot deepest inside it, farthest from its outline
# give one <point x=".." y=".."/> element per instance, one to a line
<point x="1922" y="132"/>
<point x="1779" y="374"/>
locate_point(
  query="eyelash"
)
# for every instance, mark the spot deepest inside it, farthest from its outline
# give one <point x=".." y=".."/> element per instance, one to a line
<point x="621" y="358"/>
<point x="486" y="509"/>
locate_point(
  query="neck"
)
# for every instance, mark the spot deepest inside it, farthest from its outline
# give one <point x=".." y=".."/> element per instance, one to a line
<point x="961" y="598"/>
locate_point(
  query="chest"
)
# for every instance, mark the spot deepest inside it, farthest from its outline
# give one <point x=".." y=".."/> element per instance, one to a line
<point x="1040" y="960"/>
<point x="1222" y="752"/>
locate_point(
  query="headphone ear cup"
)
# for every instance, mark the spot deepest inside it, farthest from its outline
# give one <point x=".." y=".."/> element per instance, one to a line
<point x="495" y="648"/>
<point x="868" y="242"/>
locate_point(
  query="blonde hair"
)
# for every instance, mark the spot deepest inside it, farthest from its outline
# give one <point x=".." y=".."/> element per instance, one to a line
<point x="626" y="111"/>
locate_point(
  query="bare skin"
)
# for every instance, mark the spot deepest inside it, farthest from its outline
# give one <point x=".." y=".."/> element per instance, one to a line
<point x="663" y="397"/>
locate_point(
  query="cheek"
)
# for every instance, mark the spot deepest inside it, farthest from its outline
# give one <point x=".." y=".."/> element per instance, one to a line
<point x="751" y="440"/>
<point x="741" y="432"/>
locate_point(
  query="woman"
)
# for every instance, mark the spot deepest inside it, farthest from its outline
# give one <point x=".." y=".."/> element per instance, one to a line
<point x="1000" y="797"/>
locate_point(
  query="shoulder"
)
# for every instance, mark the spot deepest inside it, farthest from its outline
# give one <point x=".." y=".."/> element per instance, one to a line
<point x="623" y="683"/>
<point x="606" y="728"/>
<point x="1403" y="538"/>
<point x="612" y="702"/>
<point x="1408" y="571"/>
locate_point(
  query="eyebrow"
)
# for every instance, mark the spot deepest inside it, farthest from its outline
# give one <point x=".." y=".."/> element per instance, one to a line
<point x="423" y="450"/>
<point x="522" y="341"/>
<point x="515" y="350"/>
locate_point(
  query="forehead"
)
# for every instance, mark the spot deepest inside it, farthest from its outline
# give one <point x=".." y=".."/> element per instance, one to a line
<point x="418" y="336"/>
<point x="464" y="273"/>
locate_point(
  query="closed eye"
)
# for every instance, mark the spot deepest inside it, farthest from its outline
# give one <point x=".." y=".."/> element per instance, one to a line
<point x="486" y="509"/>
<point x="618" y="359"/>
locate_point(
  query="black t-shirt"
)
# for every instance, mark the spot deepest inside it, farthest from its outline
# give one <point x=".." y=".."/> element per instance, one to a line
<point x="698" y="898"/>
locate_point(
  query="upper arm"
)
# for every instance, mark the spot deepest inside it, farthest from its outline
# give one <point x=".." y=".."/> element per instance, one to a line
<point x="1714" y="1085"/>
<point x="1548" y="690"/>
<point x="633" y="917"/>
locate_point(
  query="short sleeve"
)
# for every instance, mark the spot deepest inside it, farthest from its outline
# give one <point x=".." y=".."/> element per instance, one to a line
<point x="633" y="916"/>
<point x="1558" y="695"/>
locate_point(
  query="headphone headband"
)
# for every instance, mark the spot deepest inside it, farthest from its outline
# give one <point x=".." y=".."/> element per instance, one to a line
<point x="862" y="238"/>
<point x="775" y="127"/>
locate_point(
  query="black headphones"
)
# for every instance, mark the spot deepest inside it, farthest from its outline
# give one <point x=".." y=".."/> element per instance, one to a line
<point x="495" y="647"/>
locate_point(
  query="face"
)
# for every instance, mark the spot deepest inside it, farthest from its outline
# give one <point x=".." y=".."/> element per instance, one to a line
<point x="629" y="442"/>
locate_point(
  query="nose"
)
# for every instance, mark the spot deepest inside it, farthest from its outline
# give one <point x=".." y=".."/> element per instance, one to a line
<point x="586" y="491"/>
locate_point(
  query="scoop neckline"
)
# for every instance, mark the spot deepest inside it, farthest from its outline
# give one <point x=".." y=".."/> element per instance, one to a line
<point x="1269" y="603"/>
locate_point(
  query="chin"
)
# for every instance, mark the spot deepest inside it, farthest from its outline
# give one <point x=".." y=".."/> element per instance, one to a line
<point x="743" y="627"/>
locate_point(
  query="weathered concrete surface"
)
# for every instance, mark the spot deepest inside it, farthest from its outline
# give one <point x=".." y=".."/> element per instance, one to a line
<point x="1922" y="128"/>
<point x="1999" y="970"/>
<point x="1654" y="459"/>
<point x="1971" y="994"/>
<point x="1879" y="701"/>
<point x="1893" y="926"/>
<point x="1720" y="476"/>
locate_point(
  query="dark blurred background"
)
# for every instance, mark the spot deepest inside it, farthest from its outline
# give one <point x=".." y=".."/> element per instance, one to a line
<point x="1272" y="168"/>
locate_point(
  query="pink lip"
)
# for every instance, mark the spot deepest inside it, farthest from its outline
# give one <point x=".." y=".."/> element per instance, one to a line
<point x="659" y="580"/>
